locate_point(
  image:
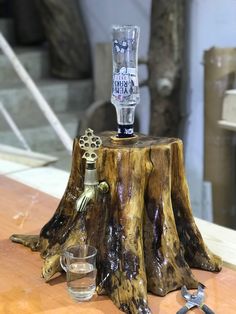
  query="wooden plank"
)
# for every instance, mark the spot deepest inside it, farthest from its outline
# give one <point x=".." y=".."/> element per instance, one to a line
<point x="228" y="121"/>
<point x="25" y="210"/>
<point x="220" y="66"/>
<point x="231" y="126"/>
<point x="220" y="240"/>
<point x="29" y="158"/>
<point x="229" y="106"/>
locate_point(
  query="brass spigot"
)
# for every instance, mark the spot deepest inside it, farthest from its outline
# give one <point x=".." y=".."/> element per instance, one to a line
<point x="90" y="143"/>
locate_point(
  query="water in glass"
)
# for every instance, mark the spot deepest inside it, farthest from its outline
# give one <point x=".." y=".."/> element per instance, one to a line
<point x="81" y="277"/>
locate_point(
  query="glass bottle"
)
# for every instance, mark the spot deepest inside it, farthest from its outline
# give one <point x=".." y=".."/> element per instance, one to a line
<point x="125" y="87"/>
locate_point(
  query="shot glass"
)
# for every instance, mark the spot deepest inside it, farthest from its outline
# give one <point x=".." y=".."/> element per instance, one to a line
<point x="79" y="263"/>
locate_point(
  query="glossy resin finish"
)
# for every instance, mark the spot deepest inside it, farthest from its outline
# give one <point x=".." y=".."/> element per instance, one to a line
<point x="143" y="228"/>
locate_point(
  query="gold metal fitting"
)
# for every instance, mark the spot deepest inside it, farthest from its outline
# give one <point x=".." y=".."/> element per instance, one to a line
<point x="103" y="187"/>
<point x="90" y="143"/>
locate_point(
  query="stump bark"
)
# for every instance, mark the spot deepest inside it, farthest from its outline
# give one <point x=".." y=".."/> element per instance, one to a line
<point x="165" y="63"/>
<point x="143" y="227"/>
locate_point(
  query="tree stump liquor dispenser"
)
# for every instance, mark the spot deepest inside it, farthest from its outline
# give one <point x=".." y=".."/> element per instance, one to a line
<point x="129" y="198"/>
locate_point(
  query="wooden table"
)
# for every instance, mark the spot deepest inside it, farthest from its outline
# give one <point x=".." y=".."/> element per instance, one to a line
<point x="22" y="291"/>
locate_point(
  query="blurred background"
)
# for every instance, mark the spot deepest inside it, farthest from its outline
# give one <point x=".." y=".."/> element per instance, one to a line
<point x="187" y="72"/>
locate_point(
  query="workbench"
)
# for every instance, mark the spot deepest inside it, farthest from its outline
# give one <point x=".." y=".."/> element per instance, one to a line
<point x="24" y="209"/>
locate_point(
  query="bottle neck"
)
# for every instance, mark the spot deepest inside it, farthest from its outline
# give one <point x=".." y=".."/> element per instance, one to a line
<point x="125" y="130"/>
<point x="125" y="120"/>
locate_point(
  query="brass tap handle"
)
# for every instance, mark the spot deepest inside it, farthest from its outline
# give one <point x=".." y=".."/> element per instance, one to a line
<point x="90" y="143"/>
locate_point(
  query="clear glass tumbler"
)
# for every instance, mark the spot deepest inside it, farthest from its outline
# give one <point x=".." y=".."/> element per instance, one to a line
<point x="125" y="87"/>
<point x="79" y="263"/>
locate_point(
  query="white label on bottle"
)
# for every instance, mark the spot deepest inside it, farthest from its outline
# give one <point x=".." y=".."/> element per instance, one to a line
<point x="123" y="83"/>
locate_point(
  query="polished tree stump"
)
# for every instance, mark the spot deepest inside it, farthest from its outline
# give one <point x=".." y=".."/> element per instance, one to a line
<point x="143" y="227"/>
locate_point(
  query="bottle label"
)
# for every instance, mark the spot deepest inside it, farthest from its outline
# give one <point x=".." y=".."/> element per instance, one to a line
<point x="125" y="130"/>
<point x="124" y="83"/>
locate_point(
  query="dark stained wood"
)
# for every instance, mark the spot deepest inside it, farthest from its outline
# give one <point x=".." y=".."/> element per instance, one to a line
<point x="67" y="38"/>
<point x="165" y="65"/>
<point x="27" y="22"/>
<point x="143" y="228"/>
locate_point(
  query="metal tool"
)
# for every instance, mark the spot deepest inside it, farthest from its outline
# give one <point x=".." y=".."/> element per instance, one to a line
<point x="194" y="300"/>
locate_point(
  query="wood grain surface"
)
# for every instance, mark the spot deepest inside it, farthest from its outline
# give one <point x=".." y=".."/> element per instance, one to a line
<point x="25" y="210"/>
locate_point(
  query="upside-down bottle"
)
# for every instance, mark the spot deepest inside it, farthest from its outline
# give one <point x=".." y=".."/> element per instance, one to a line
<point x="125" y="88"/>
